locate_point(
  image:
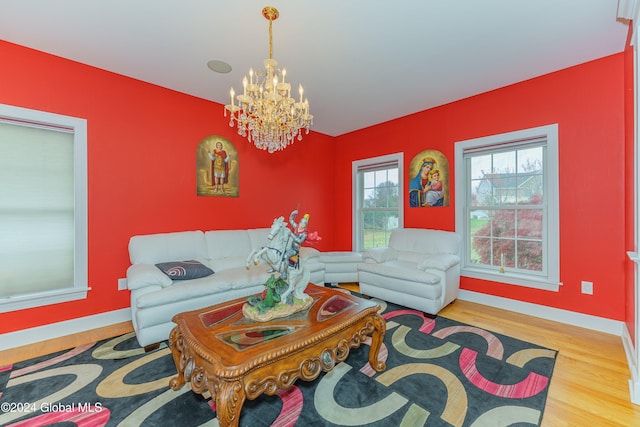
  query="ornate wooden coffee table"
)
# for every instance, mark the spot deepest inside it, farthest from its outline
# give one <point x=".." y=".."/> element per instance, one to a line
<point x="218" y="350"/>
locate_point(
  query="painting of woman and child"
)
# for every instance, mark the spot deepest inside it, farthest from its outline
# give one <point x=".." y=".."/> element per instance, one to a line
<point x="429" y="180"/>
<point x="217" y="167"/>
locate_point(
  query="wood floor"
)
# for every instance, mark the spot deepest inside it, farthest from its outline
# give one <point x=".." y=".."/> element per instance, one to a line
<point x="589" y="386"/>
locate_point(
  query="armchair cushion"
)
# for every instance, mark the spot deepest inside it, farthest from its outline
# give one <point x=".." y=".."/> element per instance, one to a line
<point x="439" y="262"/>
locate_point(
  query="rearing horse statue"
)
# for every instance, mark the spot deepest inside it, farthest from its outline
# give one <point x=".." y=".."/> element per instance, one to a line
<point x="274" y="254"/>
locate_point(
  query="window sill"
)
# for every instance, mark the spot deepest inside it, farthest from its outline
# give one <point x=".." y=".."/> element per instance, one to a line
<point x="512" y="279"/>
<point x="21" y="302"/>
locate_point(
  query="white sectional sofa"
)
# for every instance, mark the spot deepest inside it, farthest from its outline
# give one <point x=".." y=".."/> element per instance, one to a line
<point x="420" y="269"/>
<point x="156" y="298"/>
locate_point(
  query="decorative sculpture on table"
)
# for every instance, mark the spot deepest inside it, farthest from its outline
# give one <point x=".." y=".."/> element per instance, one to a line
<point x="283" y="295"/>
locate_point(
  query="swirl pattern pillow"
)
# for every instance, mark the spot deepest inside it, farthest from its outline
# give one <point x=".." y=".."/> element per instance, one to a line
<point x="185" y="270"/>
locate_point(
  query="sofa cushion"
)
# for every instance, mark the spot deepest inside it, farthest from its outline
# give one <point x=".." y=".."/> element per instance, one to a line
<point x="220" y="264"/>
<point x="222" y="281"/>
<point x="424" y="241"/>
<point x="227" y="243"/>
<point x="259" y="237"/>
<point x="141" y="275"/>
<point x="339" y="257"/>
<point x="163" y="247"/>
<point x="184" y="270"/>
<point x="308" y="254"/>
<point x="412" y="257"/>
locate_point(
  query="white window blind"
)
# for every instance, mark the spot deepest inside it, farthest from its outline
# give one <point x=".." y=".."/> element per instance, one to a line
<point x="42" y="208"/>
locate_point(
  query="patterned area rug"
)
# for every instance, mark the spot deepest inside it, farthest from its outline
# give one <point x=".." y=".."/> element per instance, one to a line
<point x="439" y="373"/>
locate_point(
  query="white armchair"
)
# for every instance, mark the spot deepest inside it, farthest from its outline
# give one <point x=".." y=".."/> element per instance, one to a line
<point x="420" y="269"/>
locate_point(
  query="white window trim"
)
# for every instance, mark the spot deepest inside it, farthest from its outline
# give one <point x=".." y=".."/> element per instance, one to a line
<point x="355" y="191"/>
<point x="550" y="132"/>
<point x="80" y="285"/>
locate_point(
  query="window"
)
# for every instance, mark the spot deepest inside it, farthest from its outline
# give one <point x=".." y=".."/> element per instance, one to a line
<point x="507" y="207"/>
<point x="377" y="204"/>
<point x="43" y="212"/>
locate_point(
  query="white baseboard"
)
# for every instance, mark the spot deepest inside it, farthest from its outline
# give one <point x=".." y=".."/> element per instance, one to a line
<point x="60" y="329"/>
<point x="632" y="360"/>
<point x="595" y="323"/>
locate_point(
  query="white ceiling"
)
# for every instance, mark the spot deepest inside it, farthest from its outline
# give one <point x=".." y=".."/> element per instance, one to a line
<point x="361" y="62"/>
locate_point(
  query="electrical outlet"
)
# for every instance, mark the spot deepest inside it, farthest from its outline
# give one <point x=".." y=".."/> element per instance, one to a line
<point x="587" y="288"/>
<point x="122" y="284"/>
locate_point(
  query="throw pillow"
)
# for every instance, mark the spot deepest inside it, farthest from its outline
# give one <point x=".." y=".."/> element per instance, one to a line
<point x="185" y="270"/>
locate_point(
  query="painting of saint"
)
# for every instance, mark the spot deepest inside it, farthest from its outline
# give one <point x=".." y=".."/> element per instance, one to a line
<point x="429" y="180"/>
<point x="217" y="167"/>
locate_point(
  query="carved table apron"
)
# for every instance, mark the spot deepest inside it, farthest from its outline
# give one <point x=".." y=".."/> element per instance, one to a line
<point x="216" y="349"/>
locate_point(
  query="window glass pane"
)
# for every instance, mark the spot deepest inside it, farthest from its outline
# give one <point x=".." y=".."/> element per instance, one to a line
<point x="504" y="223"/>
<point x="481" y="192"/>
<point x="369" y="197"/>
<point x="530" y="160"/>
<point x="530" y="223"/>
<point x="480" y="165"/>
<point x="504" y="163"/>
<point x="377" y="228"/>
<point x="504" y="253"/>
<point x="480" y="250"/>
<point x="530" y="255"/>
<point x="480" y="223"/>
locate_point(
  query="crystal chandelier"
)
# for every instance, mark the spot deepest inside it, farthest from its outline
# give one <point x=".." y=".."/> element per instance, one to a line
<point x="265" y="113"/>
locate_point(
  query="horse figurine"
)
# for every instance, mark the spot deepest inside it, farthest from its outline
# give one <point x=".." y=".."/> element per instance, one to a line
<point x="275" y="254"/>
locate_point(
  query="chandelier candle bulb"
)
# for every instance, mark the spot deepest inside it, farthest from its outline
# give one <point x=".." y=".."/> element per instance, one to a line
<point x="233" y="94"/>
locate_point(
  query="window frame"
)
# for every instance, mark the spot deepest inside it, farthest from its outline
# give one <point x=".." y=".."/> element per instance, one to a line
<point x="78" y="127"/>
<point x="551" y="280"/>
<point x="357" y="191"/>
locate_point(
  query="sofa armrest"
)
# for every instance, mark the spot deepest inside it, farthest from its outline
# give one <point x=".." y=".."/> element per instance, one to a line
<point x="379" y="255"/>
<point x="439" y="262"/>
<point x="142" y="275"/>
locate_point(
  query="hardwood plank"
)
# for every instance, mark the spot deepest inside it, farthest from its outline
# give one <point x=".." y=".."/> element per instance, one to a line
<point x="30" y="351"/>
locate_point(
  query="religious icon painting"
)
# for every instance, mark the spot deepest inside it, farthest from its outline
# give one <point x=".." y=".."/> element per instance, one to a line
<point x="217" y="167"/>
<point x="429" y="180"/>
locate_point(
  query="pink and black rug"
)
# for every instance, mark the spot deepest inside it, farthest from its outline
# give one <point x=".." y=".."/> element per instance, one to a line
<point x="439" y="373"/>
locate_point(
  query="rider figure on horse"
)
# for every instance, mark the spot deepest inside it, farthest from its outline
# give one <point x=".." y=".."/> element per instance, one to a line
<point x="298" y="236"/>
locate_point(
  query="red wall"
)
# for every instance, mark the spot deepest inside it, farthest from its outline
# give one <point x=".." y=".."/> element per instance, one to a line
<point x="587" y="102"/>
<point x="142" y="144"/>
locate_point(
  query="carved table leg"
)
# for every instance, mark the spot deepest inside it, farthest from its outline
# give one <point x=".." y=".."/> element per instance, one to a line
<point x="229" y="400"/>
<point x="380" y="328"/>
<point x="176" y="343"/>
